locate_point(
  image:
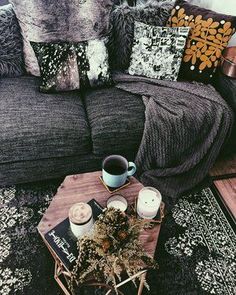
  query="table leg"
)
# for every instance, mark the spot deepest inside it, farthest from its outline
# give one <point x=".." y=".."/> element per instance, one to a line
<point x="57" y="273"/>
<point x="141" y="284"/>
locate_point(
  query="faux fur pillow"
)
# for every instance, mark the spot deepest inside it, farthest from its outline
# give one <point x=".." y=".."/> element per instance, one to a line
<point x="122" y="28"/>
<point x="11" y="51"/>
<point x="64" y="20"/>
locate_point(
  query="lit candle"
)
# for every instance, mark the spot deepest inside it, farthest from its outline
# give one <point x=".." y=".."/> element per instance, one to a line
<point x="148" y="204"/>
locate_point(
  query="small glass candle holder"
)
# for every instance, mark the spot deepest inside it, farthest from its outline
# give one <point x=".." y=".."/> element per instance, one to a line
<point x="117" y="201"/>
<point x="148" y="203"/>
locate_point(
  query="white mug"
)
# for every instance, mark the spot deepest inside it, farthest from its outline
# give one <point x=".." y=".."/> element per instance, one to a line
<point x="115" y="170"/>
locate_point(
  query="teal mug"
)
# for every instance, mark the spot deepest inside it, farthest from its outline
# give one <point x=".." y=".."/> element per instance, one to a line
<point x="116" y="169"/>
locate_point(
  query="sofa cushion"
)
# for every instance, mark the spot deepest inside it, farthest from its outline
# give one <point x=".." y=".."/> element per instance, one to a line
<point x="36" y="126"/>
<point x="116" y="119"/>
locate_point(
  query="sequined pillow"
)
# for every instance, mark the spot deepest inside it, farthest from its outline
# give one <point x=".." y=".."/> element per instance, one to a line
<point x="157" y="51"/>
<point x="69" y="66"/>
<point x="92" y="57"/>
<point x="209" y="35"/>
<point x="58" y="66"/>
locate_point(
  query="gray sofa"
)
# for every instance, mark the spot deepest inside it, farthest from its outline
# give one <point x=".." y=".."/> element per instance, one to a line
<point x="51" y="135"/>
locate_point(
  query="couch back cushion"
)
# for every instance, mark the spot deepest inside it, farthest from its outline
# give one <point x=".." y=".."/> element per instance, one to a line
<point x="65" y="20"/>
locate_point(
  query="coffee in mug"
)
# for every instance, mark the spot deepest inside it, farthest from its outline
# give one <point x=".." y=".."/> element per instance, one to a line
<point x="116" y="169"/>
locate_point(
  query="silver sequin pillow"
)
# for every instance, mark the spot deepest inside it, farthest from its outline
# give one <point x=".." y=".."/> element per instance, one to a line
<point x="157" y="51"/>
<point x="69" y="66"/>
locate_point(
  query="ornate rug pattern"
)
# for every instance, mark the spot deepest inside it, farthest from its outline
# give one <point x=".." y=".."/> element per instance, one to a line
<point x="196" y="249"/>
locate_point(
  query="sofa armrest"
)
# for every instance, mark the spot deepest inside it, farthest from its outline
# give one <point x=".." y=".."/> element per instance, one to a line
<point x="226" y="86"/>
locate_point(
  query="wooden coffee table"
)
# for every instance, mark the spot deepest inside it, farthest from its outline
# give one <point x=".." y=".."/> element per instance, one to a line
<point x="82" y="188"/>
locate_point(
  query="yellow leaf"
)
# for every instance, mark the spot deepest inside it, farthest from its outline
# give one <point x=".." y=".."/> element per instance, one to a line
<point x="174" y="20"/>
<point x="226" y="26"/>
<point x="181" y="13"/>
<point x="209" y="63"/>
<point x="204" y="48"/>
<point x="228" y="32"/>
<point x="226" y="39"/>
<point x="173" y="12"/>
<point x="210" y="37"/>
<point x="219" y="36"/>
<point x="187" y="58"/>
<point x="194" y="59"/>
<point x="203" y="58"/>
<point x="199" y="54"/>
<point x="203" y="35"/>
<point x="208" y="52"/>
<point x="215" y="25"/>
<point x="202" y="66"/>
<point x="212" y="31"/>
<point x="199" y="44"/>
<point x="213" y="58"/>
<point x="198" y="19"/>
<point x="181" y="23"/>
<point x="216" y="41"/>
<point x="188" y="51"/>
<point x="218" y="53"/>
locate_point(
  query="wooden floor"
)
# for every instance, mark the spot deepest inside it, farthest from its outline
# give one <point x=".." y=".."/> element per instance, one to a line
<point x="224" y="168"/>
<point x="224" y="176"/>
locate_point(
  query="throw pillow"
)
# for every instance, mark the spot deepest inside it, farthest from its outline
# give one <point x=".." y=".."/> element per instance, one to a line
<point x="208" y="37"/>
<point x="69" y="66"/>
<point x="228" y="7"/>
<point x="93" y="63"/>
<point x="157" y="51"/>
<point x="11" y="46"/>
<point x="122" y="28"/>
<point x="58" y="66"/>
<point x="54" y="21"/>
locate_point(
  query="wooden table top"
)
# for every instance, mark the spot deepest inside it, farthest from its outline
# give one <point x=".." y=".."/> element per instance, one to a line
<point x="227" y="190"/>
<point x="84" y="187"/>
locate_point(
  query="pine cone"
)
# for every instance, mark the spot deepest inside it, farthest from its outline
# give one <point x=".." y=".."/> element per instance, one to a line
<point x="106" y="244"/>
<point x="122" y="235"/>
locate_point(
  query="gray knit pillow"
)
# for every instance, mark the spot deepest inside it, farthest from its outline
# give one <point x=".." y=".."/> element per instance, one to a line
<point x="122" y="27"/>
<point x="11" y="51"/>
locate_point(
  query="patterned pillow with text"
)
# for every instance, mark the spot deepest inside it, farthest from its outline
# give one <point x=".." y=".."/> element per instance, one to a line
<point x="157" y="51"/>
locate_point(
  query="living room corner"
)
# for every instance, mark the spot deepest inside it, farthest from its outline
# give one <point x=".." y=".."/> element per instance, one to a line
<point x="118" y="147"/>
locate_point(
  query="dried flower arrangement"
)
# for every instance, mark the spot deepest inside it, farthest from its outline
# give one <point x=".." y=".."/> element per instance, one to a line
<point x="113" y="247"/>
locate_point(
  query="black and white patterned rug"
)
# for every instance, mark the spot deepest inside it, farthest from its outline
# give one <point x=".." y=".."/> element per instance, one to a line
<point x="196" y="250"/>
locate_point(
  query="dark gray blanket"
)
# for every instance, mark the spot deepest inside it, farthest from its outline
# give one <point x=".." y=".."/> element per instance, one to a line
<point x="186" y="126"/>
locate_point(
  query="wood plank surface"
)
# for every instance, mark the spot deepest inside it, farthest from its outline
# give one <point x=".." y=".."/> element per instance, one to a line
<point x="84" y="187"/>
<point x="224" y="167"/>
<point x="227" y="190"/>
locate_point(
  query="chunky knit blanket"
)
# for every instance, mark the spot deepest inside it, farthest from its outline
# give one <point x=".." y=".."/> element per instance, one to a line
<point x="186" y="125"/>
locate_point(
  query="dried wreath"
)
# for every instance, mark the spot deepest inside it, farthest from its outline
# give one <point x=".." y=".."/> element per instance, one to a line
<point x="113" y="248"/>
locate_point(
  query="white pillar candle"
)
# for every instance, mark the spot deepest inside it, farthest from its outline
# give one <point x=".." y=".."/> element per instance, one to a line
<point x="148" y="204"/>
<point x="81" y="219"/>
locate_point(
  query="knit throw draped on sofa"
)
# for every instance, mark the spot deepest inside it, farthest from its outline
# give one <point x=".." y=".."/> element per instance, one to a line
<point x="186" y="125"/>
